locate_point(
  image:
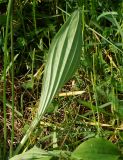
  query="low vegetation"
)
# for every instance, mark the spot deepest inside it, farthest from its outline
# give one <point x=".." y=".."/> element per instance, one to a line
<point x="61" y="82"/>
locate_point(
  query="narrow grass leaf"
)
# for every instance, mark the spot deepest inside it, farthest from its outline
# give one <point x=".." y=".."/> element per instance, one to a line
<point x="108" y="16"/>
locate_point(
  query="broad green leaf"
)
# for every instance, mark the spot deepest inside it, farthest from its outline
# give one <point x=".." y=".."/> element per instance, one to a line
<point x="33" y="154"/>
<point x="96" y="149"/>
<point x="40" y="154"/>
<point x="63" y="58"/>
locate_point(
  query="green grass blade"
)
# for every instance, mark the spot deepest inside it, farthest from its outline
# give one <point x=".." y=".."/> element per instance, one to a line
<point x="12" y="75"/>
<point x="4" y="72"/>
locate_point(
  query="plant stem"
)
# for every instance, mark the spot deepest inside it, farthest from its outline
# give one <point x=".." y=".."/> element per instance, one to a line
<point x="28" y="133"/>
<point x="4" y="71"/>
<point x="34" y="16"/>
<point x="12" y="74"/>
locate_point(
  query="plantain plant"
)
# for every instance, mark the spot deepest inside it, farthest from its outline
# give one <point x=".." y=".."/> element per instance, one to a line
<point x="63" y="58"/>
<point x="92" y="149"/>
<point x="64" y="55"/>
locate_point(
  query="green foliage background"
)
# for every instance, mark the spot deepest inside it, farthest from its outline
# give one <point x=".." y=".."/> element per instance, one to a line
<point x="74" y="119"/>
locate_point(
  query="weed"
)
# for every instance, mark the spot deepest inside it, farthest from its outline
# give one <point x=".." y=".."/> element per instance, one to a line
<point x="74" y="106"/>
